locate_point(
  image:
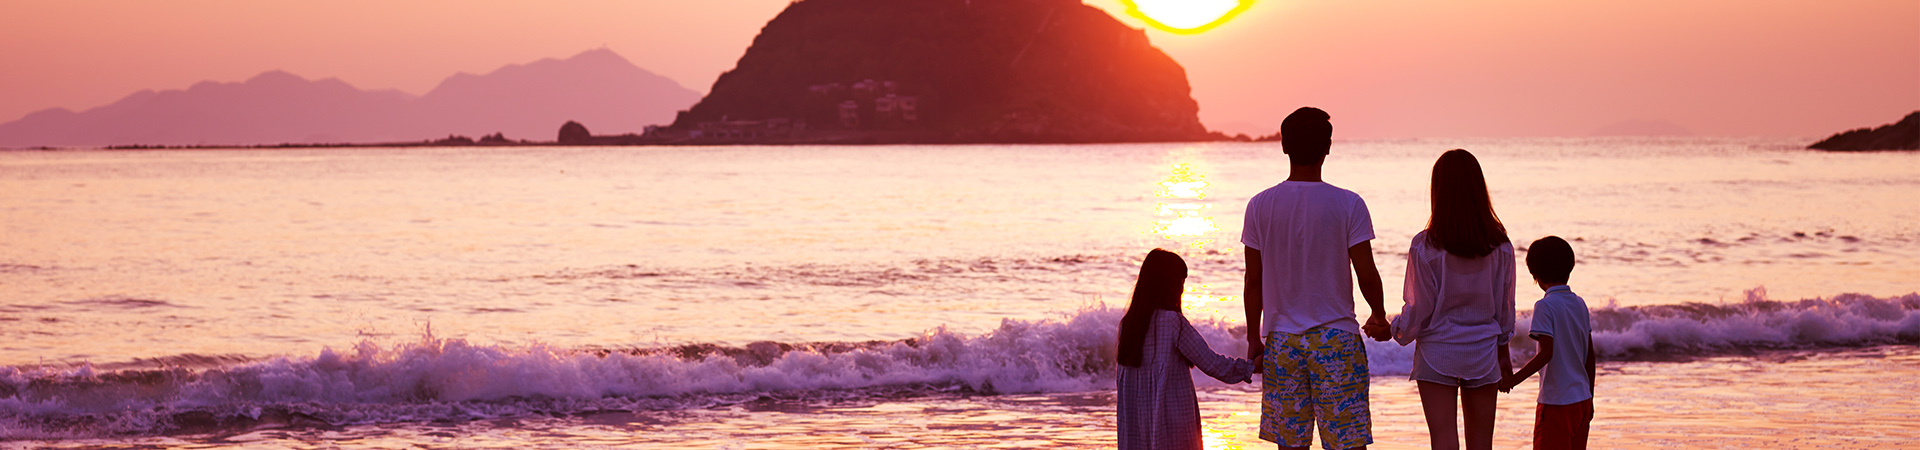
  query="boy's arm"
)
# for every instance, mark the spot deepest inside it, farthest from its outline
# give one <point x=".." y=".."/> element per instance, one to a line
<point x="1533" y="366"/>
<point x="1255" y="305"/>
<point x="1361" y="256"/>
<point x="1592" y="381"/>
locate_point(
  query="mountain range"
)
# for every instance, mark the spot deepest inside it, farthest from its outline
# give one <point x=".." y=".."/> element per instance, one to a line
<point x="524" y="101"/>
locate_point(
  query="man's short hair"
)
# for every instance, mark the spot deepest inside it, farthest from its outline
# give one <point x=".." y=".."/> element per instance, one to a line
<point x="1550" y="259"/>
<point x="1306" y="135"/>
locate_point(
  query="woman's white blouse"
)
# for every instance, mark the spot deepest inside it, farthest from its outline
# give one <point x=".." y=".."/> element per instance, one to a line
<point x="1458" y="309"/>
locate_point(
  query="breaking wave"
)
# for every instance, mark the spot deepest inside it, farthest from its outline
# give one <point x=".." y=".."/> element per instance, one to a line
<point x="437" y="379"/>
<point x="1756" y="323"/>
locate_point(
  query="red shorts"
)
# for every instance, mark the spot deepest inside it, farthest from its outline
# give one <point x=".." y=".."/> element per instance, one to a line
<point x="1562" y="426"/>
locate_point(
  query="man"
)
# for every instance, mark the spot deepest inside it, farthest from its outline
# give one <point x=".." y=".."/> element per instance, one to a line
<point x="1301" y="237"/>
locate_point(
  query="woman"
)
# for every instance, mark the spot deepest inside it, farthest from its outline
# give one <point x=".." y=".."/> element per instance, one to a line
<point x="1459" y="311"/>
<point x="1157" y="345"/>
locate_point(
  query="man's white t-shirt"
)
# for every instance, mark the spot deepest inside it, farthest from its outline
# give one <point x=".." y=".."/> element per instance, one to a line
<point x="1303" y="231"/>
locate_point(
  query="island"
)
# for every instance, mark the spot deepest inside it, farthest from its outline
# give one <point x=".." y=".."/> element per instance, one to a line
<point x="1902" y="135"/>
<point x="944" y="71"/>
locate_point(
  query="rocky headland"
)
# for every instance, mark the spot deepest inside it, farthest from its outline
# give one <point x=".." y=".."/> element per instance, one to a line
<point x="945" y="71"/>
<point x="1902" y="135"/>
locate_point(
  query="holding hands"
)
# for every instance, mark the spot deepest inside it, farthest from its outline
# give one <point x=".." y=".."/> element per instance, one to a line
<point x="1508" y="382"/>
<point x="1377" y="327"/>
<point x="1257" y="352"/>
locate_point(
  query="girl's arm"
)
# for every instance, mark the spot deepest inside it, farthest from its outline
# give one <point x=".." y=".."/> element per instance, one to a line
<point x="1196" y="351"/>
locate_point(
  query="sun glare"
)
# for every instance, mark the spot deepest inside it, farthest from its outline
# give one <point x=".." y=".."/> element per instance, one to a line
<point x="1185" y="16"/>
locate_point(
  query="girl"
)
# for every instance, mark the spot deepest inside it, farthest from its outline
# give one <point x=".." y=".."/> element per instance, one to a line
<point x="1157" y="345"/>
<point x="1459" y="311"/>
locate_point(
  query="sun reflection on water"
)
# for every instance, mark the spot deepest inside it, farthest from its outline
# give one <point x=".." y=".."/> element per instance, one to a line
<point x="1184" y="221"/>
<point x="1224" y="432"/>
<point x="1184" y="218"/>
<point x="1186" y="181"/>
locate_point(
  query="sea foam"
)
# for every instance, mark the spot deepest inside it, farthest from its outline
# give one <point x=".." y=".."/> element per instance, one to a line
<point x="436" y="378"/>
<point x="1756" y="323"/>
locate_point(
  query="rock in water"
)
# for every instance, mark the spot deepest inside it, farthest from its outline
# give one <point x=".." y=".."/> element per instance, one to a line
<point x="954" y="71"/>
<point x="1902" y="135"/>
<point x="573" y="133"/>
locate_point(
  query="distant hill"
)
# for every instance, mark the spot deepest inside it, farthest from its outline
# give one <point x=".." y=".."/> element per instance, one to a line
<point x="531" y="101"/>
<point x="270" y="107"/>
<point x="957" y="71"/>
<point x="1902" y="135"/>
<point x="523" y="101"/>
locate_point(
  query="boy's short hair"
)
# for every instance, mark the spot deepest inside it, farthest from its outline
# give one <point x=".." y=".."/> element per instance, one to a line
<point x="1305" y="136"/>
<point x="1550" y="259"/>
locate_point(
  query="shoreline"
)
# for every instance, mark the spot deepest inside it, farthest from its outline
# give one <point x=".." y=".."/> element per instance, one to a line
<point x="623" y="141"/>
<point x="1643" y="406"/>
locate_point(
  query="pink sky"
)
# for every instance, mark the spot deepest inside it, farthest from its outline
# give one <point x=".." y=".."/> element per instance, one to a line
<point x="1382" y="68"/>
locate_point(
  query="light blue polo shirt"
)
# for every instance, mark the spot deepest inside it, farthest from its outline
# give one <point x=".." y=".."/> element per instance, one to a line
<point x="1563" y="316"/>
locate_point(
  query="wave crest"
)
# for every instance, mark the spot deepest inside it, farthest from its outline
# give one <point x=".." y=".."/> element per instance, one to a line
<point x="453" y="379"/>
<point x="1756" y="323"/>
<point x="372" y="383"/>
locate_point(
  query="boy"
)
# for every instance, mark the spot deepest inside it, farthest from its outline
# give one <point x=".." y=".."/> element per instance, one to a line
<point x="1560" y="325"/>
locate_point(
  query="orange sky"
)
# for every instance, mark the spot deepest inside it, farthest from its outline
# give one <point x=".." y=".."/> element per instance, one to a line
<point x="1383" y="68"/>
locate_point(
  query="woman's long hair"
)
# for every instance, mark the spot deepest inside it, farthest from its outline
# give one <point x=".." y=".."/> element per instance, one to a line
<point x="1163" y="277"/>
<point x="1463" y="222"/>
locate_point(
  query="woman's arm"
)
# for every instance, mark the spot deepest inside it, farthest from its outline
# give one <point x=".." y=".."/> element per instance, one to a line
<point x="1503" y="310"/>
<point x="1420" y="295"/>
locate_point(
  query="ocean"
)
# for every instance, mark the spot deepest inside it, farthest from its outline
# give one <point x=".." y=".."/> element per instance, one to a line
<point x="1746" y="292"/>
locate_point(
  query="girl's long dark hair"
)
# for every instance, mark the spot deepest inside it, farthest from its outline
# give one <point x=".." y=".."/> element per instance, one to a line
<point x="1463" y="222"/>
<point x="1163" y="277"/>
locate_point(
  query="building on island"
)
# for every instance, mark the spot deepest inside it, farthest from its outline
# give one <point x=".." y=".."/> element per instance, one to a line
<point x="867" y="104"/>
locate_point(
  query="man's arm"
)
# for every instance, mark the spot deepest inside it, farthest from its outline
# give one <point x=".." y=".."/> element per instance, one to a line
<point x="1361" y="256"/>
<point x="1255" y="305"/>
<point x="1533" y="366"/>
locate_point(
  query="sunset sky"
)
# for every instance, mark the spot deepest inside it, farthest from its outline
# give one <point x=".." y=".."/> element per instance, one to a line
<point x="1383" y="68"/>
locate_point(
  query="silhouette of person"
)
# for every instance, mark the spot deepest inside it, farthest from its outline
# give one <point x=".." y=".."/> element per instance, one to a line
<point x="1459" y="311"/>
<point x="1305" y="241"/>
<point x="1158" y="409"/>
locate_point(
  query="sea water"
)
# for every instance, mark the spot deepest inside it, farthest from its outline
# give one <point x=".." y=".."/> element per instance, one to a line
<point x="885" y="296"/>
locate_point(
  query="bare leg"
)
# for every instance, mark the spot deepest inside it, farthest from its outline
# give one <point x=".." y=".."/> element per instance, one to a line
<point x="1437" y="400"/>
<point x="1478" y="405"/>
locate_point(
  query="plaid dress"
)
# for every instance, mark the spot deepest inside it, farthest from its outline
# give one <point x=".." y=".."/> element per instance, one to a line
<point x="1158" y="409"/>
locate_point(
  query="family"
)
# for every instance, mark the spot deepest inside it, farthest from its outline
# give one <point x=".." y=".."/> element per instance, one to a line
<point x="1306" y="241"/>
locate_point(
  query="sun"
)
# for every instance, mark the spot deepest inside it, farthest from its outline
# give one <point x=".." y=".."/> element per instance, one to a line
<point x="1185" y="16"/>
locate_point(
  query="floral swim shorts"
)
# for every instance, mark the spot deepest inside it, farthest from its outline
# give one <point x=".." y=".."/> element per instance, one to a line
<point x="1317" y="376"/>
